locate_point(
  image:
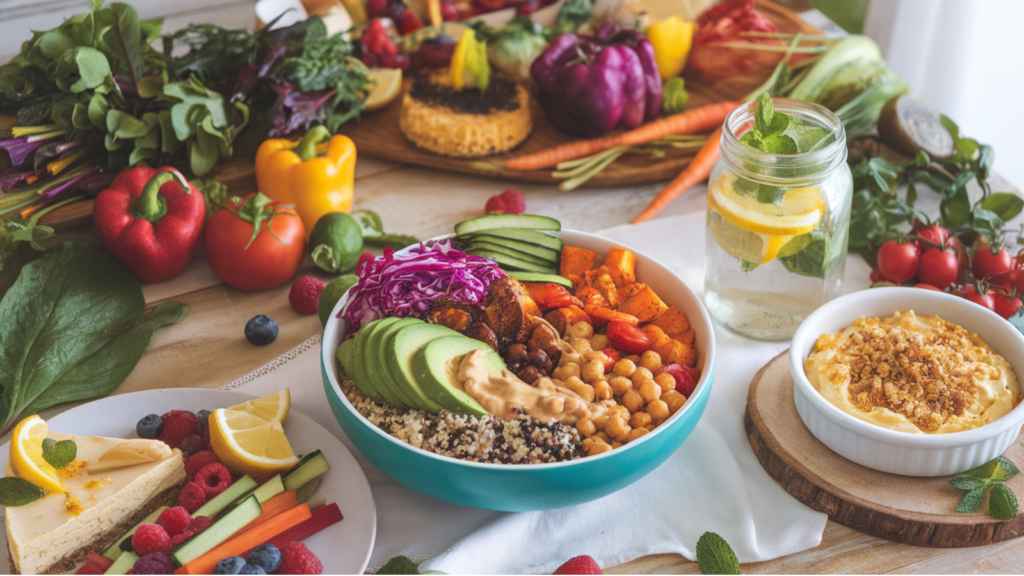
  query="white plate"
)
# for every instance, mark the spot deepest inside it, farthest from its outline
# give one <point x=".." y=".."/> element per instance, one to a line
<point x="344" y="548"/>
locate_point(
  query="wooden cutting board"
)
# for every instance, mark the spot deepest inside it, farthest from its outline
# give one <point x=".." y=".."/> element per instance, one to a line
<point x="918" y="511"/>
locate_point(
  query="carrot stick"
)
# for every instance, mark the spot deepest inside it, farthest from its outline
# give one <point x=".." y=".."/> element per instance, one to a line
<point x="247" y="540"/>
<point x="322" y="518"/>
<point x="692" y="121"/>
<point x="284" y="501"/>
<point x="699" y="169"/>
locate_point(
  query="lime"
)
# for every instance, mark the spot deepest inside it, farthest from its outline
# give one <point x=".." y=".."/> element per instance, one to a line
<point x="332" y="293"/>
<point x="336" y="242"/>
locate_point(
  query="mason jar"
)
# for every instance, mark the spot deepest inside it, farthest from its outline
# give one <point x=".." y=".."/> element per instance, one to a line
<point x="777" y="224"/>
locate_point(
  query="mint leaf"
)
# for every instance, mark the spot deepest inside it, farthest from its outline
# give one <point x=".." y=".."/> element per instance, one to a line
<point x="59" y="454"/>
<point x="16" y="491"/>
<point x="751" y="138"/>
<point x="715" y="556"/>
<point x="816" y="259"/>
<point x="794" y="245"/>
<point x="745" y="187"/>
<point x="399" y="565"/>
<point x="779" y="144"/>
<point x="962" y="482"/>
<point x="998" y="469"/>
<point x="764" y="115"/>
<point x="771" y="195"/>
<point x="1002" y="503"/>
<point x="972" y="500"/>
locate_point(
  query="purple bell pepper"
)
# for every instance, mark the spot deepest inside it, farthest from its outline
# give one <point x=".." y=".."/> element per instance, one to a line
<point x="591" y="85"/>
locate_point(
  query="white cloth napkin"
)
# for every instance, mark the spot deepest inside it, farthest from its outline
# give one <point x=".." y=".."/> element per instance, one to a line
<point x="713" y="482"/>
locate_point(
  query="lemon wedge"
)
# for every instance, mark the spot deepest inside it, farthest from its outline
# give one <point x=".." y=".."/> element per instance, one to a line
<point x="748" y="246"/>
<point x="27" y="455"/>
<point x="273" y="408"/>
<point x="799" y="212"/>
<point x="249" y="444"/>
<point x="386" y="84"/>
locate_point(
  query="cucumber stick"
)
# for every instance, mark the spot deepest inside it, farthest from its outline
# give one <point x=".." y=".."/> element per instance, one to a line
<point x="313" y="465"/>
<point x="233" y="521"/>
<point x="243" y="486"/>
<point x="481" y="245"/>
<point x="513" y="263"/>
<point x="522" y="221"/>
<point x="535" y="237"/>
<point x="124" y="563"/>
<point x="533" y="277"/>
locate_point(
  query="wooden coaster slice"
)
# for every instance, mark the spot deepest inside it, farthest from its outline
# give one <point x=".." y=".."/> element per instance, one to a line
<point x="918" y="511"/>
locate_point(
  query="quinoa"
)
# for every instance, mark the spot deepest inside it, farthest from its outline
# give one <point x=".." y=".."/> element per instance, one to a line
<point x="489" y="439"/>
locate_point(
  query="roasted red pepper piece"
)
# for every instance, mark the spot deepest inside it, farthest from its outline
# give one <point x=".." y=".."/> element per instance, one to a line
<point x="152" y="220"/>
<point x="549" y="296"/>
<point x="627" y="337"/>
<point x="602" y="316"/>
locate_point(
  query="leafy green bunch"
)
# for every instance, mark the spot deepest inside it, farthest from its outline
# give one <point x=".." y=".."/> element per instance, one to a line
<point x="990" y="476"/>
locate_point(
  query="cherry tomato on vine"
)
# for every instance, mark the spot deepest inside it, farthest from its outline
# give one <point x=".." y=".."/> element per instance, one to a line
<point x="1006" y="305"/>
<point x="938" y="267"/>
<point x="985" y="262"/>
<point x="927" y="287"/>
<point x="898" y="262"/>
<point x="934" y="233"/>
<point x="987" y="299"/>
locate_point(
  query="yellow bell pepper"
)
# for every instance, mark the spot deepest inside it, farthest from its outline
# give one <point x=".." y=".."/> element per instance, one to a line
<point x="672" y="39"/>
<point x="294" y="172"/>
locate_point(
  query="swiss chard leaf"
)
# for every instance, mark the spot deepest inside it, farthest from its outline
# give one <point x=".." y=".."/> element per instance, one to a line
<point x="123" y="43"/>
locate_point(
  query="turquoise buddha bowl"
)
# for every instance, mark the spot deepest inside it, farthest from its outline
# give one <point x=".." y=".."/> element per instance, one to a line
<point x="517" y="488"/>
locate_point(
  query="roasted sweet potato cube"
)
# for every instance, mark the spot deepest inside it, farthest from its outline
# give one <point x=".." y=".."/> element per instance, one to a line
<point x="562" y="318"/>
<point x="643" y="303"/>
<point x="672" y="321"/>
<point x="689" y="357"/>
<point x="606" y="286"/>
<point x="671" y="352"/>
<point x="628" y="290"/>
<point x="656" y="334"/>
<point x="686" y="337"/>
<point x="591" y="275"/>
<point x="576" y="261"/>
<point x="621" y="265"/>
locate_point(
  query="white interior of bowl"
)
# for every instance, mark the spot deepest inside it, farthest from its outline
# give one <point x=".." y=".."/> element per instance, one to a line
<point x="663" y="281"/>
<point x="836" y="315"/>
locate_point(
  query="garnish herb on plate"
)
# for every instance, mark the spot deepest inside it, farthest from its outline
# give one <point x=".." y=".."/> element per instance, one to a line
<point x="1002" y="503"/>
<point x="715" y="556"/>
<point x="72" y="327"/>
<point x="59" y="454"/>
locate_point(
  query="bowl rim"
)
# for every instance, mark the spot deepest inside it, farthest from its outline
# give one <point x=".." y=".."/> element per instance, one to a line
<point x="808" y="332"/>
<point x="703" y="386"/>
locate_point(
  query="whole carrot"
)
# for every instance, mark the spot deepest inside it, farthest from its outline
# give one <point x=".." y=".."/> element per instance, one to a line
<point x="692" y="121"/>
<point x="698" y="170"/>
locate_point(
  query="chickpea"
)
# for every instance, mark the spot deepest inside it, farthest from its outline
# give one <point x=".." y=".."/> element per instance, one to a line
<point x="586" y="427"/>
<point x="600" y="421"/>
<point x="583" y="390"/>
<point x="617" y="444"/>
<point x="650" y="391"/>
<point x="581" y="345"/>
<point x="617" y="428"/>
<point x="625" y="368"/>
<point x="620" y="385"/>
<point x="594" y="446"/>
<point x="567" y="371"/>
<point x="570" y="359"/>
<point x="595" y="355"/>
<point x="633" y="358"/>
<point x="544" y="381"/>
<point x="603" y="390"/>
<point x="640" y="376"/>
<point x="599" y="342"/>
<point x="636" y="433"/>
<point x="639" y="420"/>
<point x="580" y="330"/>
<point x="593" y="371"/>
<point x="602" y="436"/>
<point x="658" y="410"/>
<point x="666" y="382"/>
<point x="619" y="412"/>
<point x="674" y="400"/>
<point x="651" y="360"/>
<point x="632" y="401"/>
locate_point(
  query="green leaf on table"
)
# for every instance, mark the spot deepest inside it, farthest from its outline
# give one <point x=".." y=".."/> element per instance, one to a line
<point x="16" y="491"/>
<point x="1006" y="205"/>
<point x="971" y="500"/>
<point x="370" y="222"/>
<point x="962" y="482"/>
<point x="72" y="327"/>
<point x="402" y="565"/>
<point x="715" y="556"/>
<point x="59" y="454"/>
<point x="999" y="469"/>
<point x="1002" y="503"/>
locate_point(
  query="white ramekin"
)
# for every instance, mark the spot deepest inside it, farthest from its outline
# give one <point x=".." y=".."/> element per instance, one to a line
<point x="901" y="452"/>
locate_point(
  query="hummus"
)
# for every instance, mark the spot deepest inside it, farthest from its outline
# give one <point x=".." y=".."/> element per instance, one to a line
<point x="915" y="374"/>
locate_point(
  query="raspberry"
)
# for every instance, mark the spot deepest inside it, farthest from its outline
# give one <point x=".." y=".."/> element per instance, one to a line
<point x="154" y="563"/>
<point x="579" y="565"/>
<point x="684" y="380"/>
<point x="175" y="520"/>
<point x="95" y="564"/>
<point x="191" y="497"/>
<point x="410" y="22"/>
<point x="297" y="559"/>
<point x="305" y="294"/>
<point x="150" y="538"/>
<point x="510" y="201"/>
<point x="199" y="525"/>
<point x="198" y="461"/>
<point x="192" y="444"/>
<point x="213" y="479"/>
<point x="178" y="424"/>
<point x="179" y="539"/>
<point x="449" y="12"/>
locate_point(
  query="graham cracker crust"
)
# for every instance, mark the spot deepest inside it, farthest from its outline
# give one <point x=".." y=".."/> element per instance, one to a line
<point x="72" y="560"/>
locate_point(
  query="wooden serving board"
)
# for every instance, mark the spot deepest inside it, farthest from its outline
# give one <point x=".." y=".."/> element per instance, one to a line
<point x="918" y="511"/>
<point x="377" y="133"/>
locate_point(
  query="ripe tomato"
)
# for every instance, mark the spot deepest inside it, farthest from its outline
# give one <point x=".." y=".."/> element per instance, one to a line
<point x="987" y="299"/>
<point x="898" y="262"/>
<point x="625" y="336"/>
<point x="937" y="267"/>
<point x="986" y="262"/>
<point x="927" y="287"/>
<point x="255" y="244"/>
<point x="1007" y="304"/>
<point x="934" y="233"/>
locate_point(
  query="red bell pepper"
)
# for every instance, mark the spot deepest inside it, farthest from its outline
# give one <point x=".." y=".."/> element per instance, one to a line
<point x="150" y="223"/>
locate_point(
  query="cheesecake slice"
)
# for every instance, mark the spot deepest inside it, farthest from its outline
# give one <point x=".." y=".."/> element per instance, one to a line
<point x="117" y="483"/>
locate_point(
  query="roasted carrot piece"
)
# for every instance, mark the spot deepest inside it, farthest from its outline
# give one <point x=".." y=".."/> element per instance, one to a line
<point x="247" y="540"/>
<point x="672" y="321"/>
<point x="656" y="334"/>
<point x="643" y="303"/>
<point x="576" y="261"/>
<point x="606" y="286"/>
<point x="562" y="318"/>
<point x="621" y="265"/>
<point x="602" y="316"/>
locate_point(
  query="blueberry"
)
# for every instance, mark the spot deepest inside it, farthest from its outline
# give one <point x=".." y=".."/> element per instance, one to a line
<point x="252" y="569"/>
<point x="150" y="426"/>
<point x="267" y="557"/>
<point x="232" y="565"/>
<point x="261" y="330"/>
<point x="201" y="418"/>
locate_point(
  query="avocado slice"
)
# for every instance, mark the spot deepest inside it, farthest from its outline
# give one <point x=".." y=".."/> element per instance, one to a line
<point x="347" y="355"/>
<point x="359" y="363"/>
<point x="369" y="362"/>
<point x="377" y="369"/>
<point x="399" y="350"/>
<point x="436" y="365"/>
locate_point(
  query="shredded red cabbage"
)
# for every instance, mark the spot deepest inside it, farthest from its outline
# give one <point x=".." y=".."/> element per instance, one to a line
<point x="405" y="284"/>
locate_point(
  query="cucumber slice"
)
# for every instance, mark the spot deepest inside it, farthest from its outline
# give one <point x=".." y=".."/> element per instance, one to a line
<point x="542" y="252"/>
<point x="238" y="518"/>
<point x="530" y="236"/>
<point x="311" y="466"/>
<point x="269" y="489"/>
<point x="522" y="221"/>
<point x="541" y="278"/>
<point x="124" y="563"/>
<point x="243" y="486"/>
<point x="478" y="245"/>
<point x="114" y="551"/>
<point x="512" y="263"/>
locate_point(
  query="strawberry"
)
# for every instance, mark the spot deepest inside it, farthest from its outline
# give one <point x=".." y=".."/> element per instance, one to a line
<point x="579" y="565"/>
